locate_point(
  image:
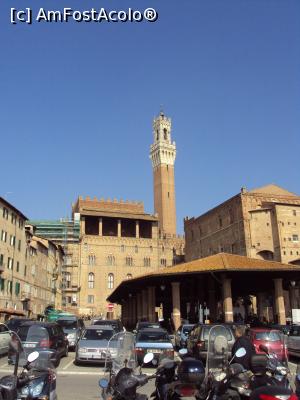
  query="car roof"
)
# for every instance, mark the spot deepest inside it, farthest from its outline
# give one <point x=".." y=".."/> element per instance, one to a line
<point x="151" y="330"/>
<point x="97" y="327"/>
<point x="40" y="323"/>
<point x="263" y="330"/>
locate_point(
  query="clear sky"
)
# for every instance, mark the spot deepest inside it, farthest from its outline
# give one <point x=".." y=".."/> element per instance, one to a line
<point x="77" y="102"/>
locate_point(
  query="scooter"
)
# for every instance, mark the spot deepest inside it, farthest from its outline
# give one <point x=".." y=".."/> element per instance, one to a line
<point x="121" y="365"/>
<point x="37" y="380"/>
<point x="175" y="380"/>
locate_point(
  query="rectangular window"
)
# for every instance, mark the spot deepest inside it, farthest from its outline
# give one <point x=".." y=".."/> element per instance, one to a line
<point x="9" y="287"/>
<point x="3" y="236"/>
<point x="17" y="289"/>
<point x="18" y="266"/>
<point x="13" y="218"/>
<point x="2" y="284"/>
<point x="1" y="259"/>
<point x="90" y="299"/>
<point x="5" y="213"/>
<point x="10" y="263"/>
<point x="12" y="240"/>
<point x="19" y="245"/>
<point x="295" y="238"/>
<point x="163" y="262"/>
<point x="25" y="270"/>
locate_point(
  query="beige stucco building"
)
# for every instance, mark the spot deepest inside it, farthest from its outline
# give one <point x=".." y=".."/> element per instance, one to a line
<point x="262" y="223"/>
<point x="30" y="267"/>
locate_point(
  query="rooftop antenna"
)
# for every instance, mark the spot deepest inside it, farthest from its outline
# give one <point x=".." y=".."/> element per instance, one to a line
<point x="161" y="110"/>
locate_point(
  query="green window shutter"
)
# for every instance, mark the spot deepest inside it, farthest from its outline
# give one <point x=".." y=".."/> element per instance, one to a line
<point x="17" y="288"/>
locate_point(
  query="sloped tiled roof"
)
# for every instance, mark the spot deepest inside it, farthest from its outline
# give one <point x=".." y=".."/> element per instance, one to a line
<point x="273" y="189"/>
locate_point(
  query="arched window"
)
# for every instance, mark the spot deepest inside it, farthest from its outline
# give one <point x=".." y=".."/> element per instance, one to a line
<point x="110" y="281"/>
<point x="129" y="276"/>
<point x="91" y="280"/>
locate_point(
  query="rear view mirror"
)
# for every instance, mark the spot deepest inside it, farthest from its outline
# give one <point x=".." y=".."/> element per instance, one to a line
<point x="33" y="356"/>
<point x="103" y="383"/>
<point x="240" y="352"/>
<point x="263" y="348"/>
<point x="148" y="358"/>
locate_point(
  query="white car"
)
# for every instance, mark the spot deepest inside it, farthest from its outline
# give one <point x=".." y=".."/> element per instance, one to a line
<point x="4" y="339"/>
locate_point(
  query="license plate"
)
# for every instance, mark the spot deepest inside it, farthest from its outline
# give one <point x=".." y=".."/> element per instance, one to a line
<point x="154" y="351"/>
<point x="29" y="345"/>
<point x="96" y="356"/>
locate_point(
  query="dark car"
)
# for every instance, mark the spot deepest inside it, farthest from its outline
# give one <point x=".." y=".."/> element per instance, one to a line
<point x="153" y="340"/>
<point x="14" y="323"/>
<point x="45" y="337"/>
<point x="115" y="323"/>
<point x="72" y="327"/>
<point x="198" y="339"/>
<point x="146" y="324"/>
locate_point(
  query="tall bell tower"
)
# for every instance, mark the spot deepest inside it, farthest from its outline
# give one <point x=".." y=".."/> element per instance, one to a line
<point x="163" y="154"/>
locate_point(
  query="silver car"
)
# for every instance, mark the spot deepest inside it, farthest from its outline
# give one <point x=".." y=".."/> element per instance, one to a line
<point x="293" y="341"/>
<point x="92" y="344"/>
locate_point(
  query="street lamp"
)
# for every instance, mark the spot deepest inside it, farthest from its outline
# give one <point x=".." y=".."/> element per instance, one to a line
<point x="162" y="287"/>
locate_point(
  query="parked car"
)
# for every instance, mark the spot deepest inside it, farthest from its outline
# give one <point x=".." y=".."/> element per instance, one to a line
<point x="285" y="329"/>
<point x="182" y="334"/>
<point x="198" y="339"/>
<point x="153" y="340"/>
<point x="115" y="323"/>
<point x="72" y="327"/>
<point x="146" y="324"/>
<point x="14" y="323"/>
<point x="272" y="339"/>
<point x="4" y="339"/>
<point x="44" y="336"/>
<point x="293" y="341"/>
<point x="92" y="344"/>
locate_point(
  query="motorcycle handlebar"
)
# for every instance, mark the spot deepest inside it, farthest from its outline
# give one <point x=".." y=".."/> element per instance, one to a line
<point x="23" y="381"/>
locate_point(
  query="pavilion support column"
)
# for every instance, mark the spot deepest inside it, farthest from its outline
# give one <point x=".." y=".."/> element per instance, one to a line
<point x="125" y="313"/>
<point x="176" y="304"/>
<point x="137" y="229"/>
<point x="293" y="297"/>
<point x="129" y="311"/>
<point x="133" y="311"/>
<point x="82" y="225"/>
<point x="139" y="310"/>
<point x="260" y="306"/>
<point x="279" y="301"/>
<point x="151" y="303"/>
<point x="144" y="304"/>
<point x="227" y="300"/>
<point x="100" y="227"/>
<point x="212" y="301"/>
<point x="119" y="228"/>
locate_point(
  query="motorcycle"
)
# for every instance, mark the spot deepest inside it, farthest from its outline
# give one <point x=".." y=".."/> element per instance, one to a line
<point x="219" y="368"/>
<point x="175" y="380"/>
<point x="269" y="368"/>
<point x="121" y="365"/>
<point x="37" y="380"/>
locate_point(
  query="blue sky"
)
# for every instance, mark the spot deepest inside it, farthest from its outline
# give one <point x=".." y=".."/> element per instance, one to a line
<point x="77" y="102"/>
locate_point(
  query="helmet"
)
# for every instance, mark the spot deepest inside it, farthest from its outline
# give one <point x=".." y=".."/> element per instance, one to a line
<point x="191" y="370"/>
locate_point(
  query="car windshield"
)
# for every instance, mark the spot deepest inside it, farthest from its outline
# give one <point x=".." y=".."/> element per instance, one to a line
<point x="37" y="333"/>
<point x="97" y="334"/>
<point x="268" y="336"/>
<point x="107" y="323"/>
<point x="153" y="337"/>
<point x="187" y="329"/>
<point x="67" y="324"/>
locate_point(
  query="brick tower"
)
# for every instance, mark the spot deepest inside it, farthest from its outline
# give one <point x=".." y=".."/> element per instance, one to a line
<point x="163" y="154"/>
